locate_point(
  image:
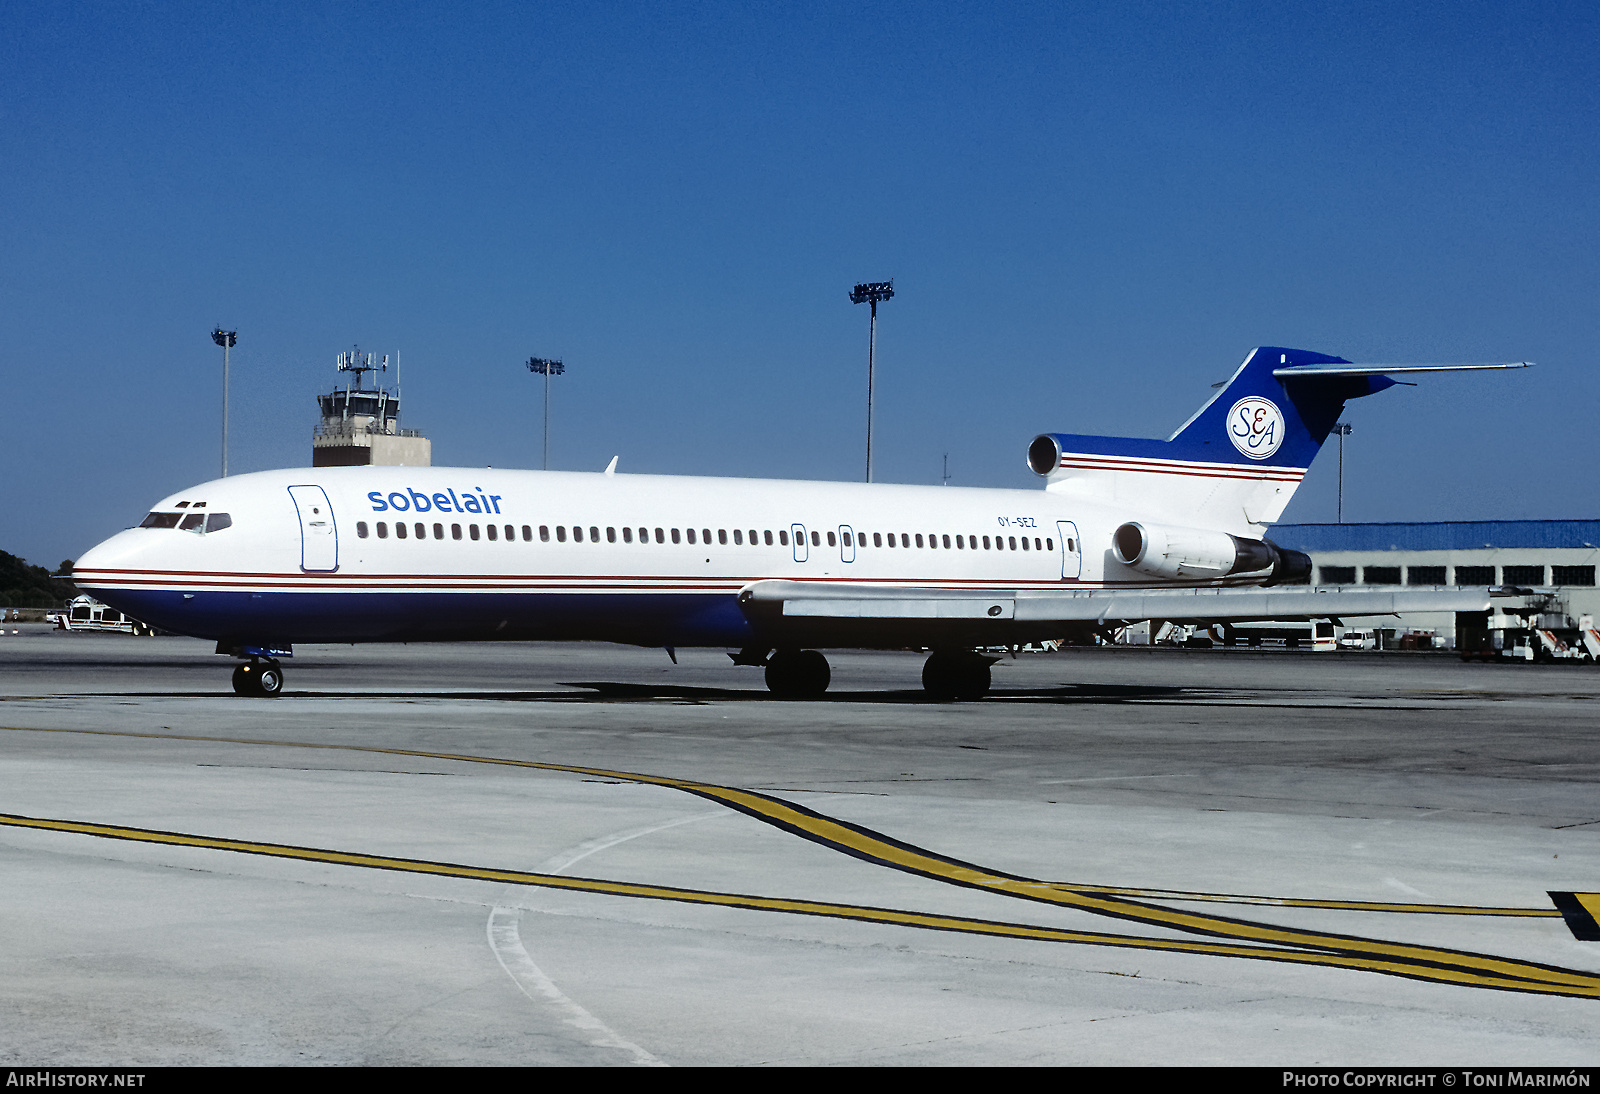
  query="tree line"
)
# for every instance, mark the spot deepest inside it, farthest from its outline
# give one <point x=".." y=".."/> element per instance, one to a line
<point x="25" y="586"/>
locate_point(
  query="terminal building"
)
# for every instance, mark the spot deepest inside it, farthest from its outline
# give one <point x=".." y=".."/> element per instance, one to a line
<point x="361" y="423"/>
<point x="1554" y="560"/>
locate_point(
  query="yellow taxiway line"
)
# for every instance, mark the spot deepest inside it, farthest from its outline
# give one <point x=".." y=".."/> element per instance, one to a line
<point x="1270" y="942"/>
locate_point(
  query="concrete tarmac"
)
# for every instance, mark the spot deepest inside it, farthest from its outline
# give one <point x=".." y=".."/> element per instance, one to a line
<point x="583" y="854"/>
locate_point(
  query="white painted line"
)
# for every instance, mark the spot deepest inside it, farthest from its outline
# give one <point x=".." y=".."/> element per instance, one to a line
<point x="505" y="939"/>
<point x="506" y="942"/>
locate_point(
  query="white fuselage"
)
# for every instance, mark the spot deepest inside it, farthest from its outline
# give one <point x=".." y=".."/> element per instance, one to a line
<point x="631" y="558"/>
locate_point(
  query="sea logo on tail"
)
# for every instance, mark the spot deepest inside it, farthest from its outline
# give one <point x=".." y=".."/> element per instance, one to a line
<point x="1255" y="426"/>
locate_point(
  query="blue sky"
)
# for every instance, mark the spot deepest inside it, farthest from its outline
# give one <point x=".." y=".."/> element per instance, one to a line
<point x="1091" y="212"/>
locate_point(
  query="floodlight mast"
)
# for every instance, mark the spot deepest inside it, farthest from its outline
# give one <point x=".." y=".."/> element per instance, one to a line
<point x="1343" y="430"/>
<point x="546" y="367"/>
<point x="870" y="293"/>
<point x="226" y="339"/>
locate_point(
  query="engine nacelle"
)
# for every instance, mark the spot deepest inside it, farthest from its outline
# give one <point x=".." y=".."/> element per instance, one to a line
<point x="1197" y="554"/>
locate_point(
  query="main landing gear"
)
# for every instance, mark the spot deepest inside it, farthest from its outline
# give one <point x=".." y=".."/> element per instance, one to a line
<point x="804" y="674"/>
<point x="956" y="674"/>
<point x="259" y="678"/>
<point x="798" y="674"/>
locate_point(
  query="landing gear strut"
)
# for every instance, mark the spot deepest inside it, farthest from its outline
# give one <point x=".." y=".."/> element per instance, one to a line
<point x="798" y="674"/>
<point x="956" y="674"/>
<point x="259" y="678"/>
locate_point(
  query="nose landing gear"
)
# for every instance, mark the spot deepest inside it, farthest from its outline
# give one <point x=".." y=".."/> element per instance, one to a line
<point x="263" y="679"/>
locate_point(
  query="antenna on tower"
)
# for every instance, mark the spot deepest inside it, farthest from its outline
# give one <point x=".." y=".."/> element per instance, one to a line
<point x="357" y="362"/>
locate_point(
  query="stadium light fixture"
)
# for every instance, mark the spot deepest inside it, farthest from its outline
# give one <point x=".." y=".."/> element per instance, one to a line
<point x="227" y="339"/>
<point x="871" y="292"/>
<point x="546" y="367"/>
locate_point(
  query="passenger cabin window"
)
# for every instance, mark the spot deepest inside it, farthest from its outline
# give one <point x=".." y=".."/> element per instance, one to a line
<point x="361" y="529"/>
<point x="527" y="534"/>
<point x="422" y="531"/>
<point x="455" y="531"/>
<point x="399" y="530"/>
<point x="494" y="533"/>
<point x="383" y="529"/>
<point x="472" y="530"/>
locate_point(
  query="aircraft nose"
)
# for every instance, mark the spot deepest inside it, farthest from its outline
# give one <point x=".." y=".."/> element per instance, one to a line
<point x="109" y="554"/>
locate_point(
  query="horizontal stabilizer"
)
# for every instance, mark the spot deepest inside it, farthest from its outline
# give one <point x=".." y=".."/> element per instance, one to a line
<point x="1357" y="369"/>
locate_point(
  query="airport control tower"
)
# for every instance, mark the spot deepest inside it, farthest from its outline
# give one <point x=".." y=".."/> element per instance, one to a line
<point x="361" y="423"/>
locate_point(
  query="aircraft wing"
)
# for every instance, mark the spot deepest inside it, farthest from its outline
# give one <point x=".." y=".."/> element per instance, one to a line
<point x="824" y="601"/>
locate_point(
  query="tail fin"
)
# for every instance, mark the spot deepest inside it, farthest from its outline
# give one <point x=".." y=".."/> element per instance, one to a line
<point x="1236" y="463"/>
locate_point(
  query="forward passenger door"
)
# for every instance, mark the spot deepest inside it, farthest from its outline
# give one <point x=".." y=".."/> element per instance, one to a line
<point x="319" y="543"/>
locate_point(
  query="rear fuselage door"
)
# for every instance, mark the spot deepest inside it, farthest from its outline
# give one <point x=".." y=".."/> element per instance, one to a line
<point x="319" y="543"/>
<point x="801" y="548"/>
<point x="1071" y="550"/>
<point x="847" y="543"/>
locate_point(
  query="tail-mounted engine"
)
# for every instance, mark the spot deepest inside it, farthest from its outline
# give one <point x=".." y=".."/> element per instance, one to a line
<point x="1197" y="554"/>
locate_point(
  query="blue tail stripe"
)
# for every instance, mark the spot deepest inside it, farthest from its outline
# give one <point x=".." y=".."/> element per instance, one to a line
<point x="1256" y="420"/>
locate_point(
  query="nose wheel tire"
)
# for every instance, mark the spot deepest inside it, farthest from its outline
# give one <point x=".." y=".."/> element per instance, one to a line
<point x="262" y="679"/>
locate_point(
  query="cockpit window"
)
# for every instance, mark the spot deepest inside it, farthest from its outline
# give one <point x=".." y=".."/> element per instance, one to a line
<point x="191" y="522"/>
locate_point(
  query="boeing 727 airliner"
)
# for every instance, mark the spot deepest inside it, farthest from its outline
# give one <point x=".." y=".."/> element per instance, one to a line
<point x="1124" y="530"/>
